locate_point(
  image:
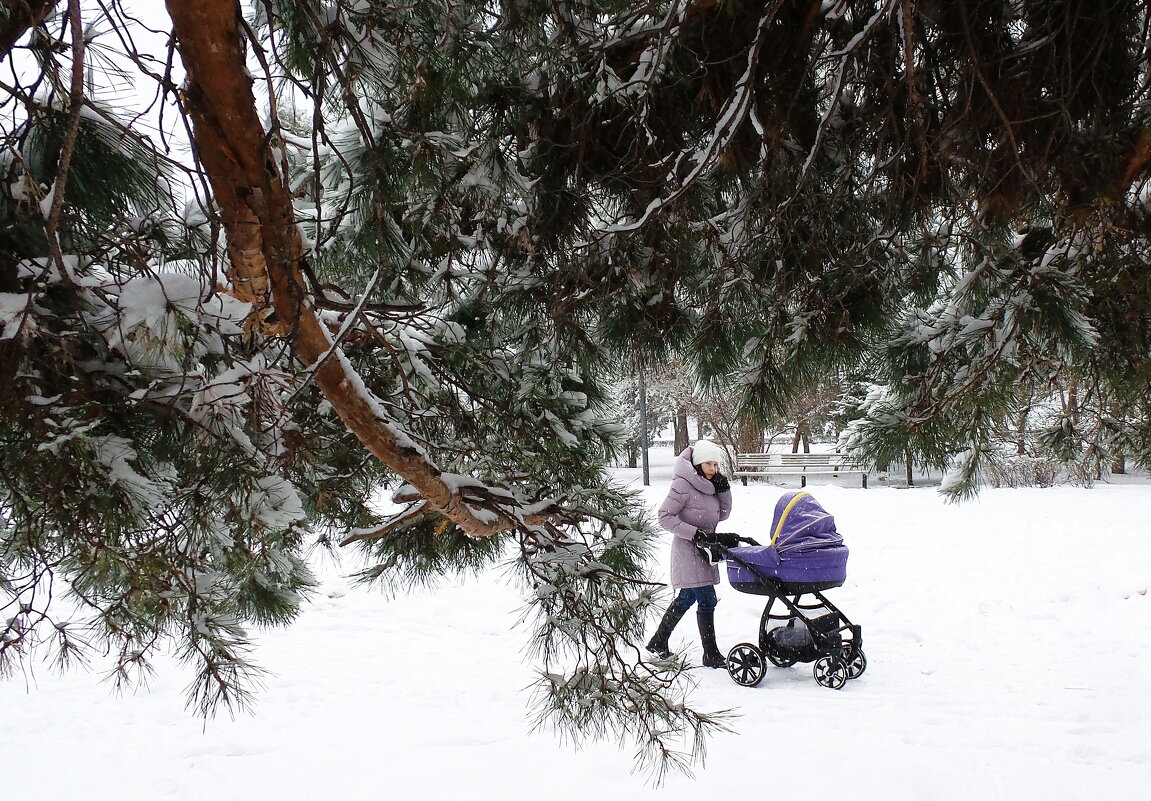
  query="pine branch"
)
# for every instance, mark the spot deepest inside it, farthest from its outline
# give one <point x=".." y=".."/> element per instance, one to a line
<point x="266" y="250"/>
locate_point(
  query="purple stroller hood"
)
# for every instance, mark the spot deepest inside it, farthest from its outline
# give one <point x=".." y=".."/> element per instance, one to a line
<point x="805" y="549"/>
<point x="800" y="523"/>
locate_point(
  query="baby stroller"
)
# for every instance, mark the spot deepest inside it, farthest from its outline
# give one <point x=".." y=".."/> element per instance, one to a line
<point x="805" y="557"/>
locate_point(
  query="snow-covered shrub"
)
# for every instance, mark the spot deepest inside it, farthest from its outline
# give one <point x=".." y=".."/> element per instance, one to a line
<point x="1081" y="473"/>
<point x="1023" y="471"/>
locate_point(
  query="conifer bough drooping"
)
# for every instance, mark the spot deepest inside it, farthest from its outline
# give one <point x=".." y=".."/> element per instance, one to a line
<point x="413" y="241"/>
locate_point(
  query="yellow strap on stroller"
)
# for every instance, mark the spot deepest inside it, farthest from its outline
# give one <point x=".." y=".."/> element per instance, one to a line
<point x="782" y="517"/>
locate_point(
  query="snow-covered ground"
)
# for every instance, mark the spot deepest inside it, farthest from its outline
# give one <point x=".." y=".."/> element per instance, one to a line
<point x="1008" y="640"/>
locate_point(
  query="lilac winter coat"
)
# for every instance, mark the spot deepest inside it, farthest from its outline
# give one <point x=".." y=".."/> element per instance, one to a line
<point x="692" y="503"/>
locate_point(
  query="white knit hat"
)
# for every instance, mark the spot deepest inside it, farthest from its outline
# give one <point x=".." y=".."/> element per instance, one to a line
<point x="707" y="451"/>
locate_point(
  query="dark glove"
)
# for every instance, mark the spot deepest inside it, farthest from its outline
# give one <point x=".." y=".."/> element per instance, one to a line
<point x="708" y="545"/>
<point x="720" y="482"/>
<point x="727" y="540"/>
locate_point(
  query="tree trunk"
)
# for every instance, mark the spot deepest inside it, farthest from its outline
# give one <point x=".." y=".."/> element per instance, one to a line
<point x="749" y="438"/>
<point x="679" y="429"/>
<point x="802" y="437"/>
<point x="1071" y="405"/>
<point x="266" y="251"/>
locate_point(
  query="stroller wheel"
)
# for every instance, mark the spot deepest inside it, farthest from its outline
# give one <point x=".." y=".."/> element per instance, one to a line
<point x="830" y="672"/>
<point x="856" y="662"/>
<point x="745" y="664"/>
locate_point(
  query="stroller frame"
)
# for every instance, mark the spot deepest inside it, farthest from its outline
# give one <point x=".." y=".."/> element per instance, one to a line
<point x="809" y="628"/>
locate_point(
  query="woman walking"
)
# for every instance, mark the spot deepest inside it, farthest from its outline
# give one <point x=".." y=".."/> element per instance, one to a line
<point x="699" y="498"/>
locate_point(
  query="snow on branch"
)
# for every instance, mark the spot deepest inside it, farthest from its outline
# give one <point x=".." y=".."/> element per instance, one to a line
<point x="267" y="253"/>
<point x="697" y="162"/>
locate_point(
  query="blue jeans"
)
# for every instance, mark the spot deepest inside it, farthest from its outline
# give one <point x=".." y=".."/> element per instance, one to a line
<point x="704" y="596"/>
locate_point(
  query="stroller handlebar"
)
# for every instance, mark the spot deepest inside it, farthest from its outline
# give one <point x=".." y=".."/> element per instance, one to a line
<point x="715" y="552"/>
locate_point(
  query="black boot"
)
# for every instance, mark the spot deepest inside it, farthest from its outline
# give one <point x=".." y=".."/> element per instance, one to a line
<point x="712" y="658"/>
<point x="658" y="643"/>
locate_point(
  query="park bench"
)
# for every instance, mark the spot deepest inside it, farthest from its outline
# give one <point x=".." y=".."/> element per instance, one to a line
<point x="765" y="465"/>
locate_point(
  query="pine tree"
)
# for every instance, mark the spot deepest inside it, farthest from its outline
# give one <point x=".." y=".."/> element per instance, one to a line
<point x="412" y="242"/>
